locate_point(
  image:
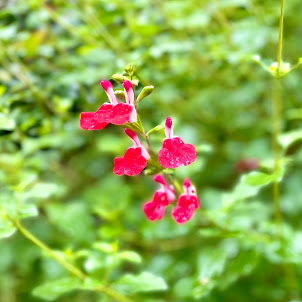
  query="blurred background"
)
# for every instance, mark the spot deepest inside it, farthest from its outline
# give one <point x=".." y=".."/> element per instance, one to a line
<point x="199" y="57"/>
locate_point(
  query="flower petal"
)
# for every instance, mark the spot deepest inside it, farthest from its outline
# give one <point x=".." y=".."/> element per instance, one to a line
<point x="132" y="163"/>
<point x="154" y="210"/>
<point x="88" y="122"/>
<point x="176" y="153"/>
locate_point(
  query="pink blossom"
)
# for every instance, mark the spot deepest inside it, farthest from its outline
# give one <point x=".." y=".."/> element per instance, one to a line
<point x="87" y="122"/>
<point x="134" y="160"/>
<point x="175" y="152"/>
<point x="114" y="112"/>
<point x="187" y="203"/>
<point x="129" y="95"/>
<point x="162" y="197"/>
<point x="155" y="209"/>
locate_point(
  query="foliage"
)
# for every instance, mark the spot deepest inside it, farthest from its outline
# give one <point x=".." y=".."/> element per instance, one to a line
<point x="208" y="63"/>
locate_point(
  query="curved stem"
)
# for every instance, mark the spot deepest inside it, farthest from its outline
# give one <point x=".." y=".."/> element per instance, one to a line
<point x="67" y="265"/>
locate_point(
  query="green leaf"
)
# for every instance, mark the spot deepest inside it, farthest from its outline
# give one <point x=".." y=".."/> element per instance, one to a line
<point x="6" y="123"/>
<point x="143" y="282"/>
<point x="108" y="248"/>
<point x="6" y="227"/>
<point x="242" y="265"/>
<point x="29" y="210"/>
<point x="43" y="190"/>
<point x="258" y="179"/>
<point x="289" y="138"/>
<point x="130" y="256"/>
<point x="211" y="263"/>
<point x="53" y="289"/>
<point x="157" y="128"/>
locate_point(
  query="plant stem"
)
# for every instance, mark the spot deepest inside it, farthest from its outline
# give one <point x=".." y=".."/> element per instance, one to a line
<point x="276" y="132"/>
<point x="279" y="55"/>
<point x="175" y="184"/>
<point x="67" y="265"/>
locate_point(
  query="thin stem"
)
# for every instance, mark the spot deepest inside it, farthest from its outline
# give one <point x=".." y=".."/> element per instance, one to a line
<point x="67" y="265"/>
<point x="276" y="132"/>
<point x="175" y="184"/>
<point x="279" y="56"/>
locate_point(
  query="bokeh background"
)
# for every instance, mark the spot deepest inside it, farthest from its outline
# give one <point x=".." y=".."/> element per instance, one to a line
<point x="199" y="57"/>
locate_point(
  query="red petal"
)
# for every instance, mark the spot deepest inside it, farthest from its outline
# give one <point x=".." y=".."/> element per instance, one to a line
<point x="153" y="210"/>
<point x="104" y="113"/>
<point x="186" y="205"/>
<point x="176" y="153"/>
<point x="161" y="197"/>
<point x="132" y="163"/>
<point x="117" y="115"/>
<point x="186" y="201"/>
<point x="88" y="122"/>
<point x="182" y="215"/>
<point x="121" y="114"/>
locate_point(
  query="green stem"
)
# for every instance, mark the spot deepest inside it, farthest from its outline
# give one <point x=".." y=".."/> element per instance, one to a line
<point x="276" y="132"/>
<point x="175" y="183"/>
<point x="279" y="56"/>
<point x="68" y="266"/>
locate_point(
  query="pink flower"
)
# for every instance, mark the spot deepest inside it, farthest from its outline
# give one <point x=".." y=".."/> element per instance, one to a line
<point x="162" y="197"/>
<point x="134" y="160"/>
<point x="155" y="209"/>
<point x="175" y="152"/>
<point x="87" y="122"/>
<point x="187" y="203"/>
<point x="114" y="112"/>
<point x="129" y="94"/>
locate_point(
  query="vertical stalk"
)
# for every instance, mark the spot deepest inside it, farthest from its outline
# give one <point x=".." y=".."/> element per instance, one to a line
<point x="277" y="117"/>
<point x="279" y="55"/>
<point x="276" y="132"/>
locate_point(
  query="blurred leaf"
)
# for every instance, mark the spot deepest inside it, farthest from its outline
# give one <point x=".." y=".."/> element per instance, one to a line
<point x="6" y="123"/>
<point x="287" y="139"/>
<point x="130" y="256"/>
<point x="211" y="263"/>
<point x="53" y="289"/>
<point x="6" y="227"/>
<point x="28" y="210"/>
<point x="144" y="282"/>
<point x="108" y="248"/>
<point x="258" y="179"/>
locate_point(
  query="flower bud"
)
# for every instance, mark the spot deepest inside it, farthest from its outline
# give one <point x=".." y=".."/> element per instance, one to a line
<point x="145" y="92"/>
<point x="118" y="78"/>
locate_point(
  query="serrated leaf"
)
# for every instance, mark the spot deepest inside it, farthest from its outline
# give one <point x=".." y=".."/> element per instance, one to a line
<point x="53" y="289"/>
<point x="143" y="282"/>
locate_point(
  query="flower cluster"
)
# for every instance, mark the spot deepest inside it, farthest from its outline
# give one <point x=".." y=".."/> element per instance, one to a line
<point x="174" y="153"/>
<point x="187" y="202"/>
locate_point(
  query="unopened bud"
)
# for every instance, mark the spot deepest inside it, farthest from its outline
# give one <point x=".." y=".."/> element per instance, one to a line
<point x="145" y="92"/>
<point x="118" y="78"/>
<point x="120" y="94"/>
